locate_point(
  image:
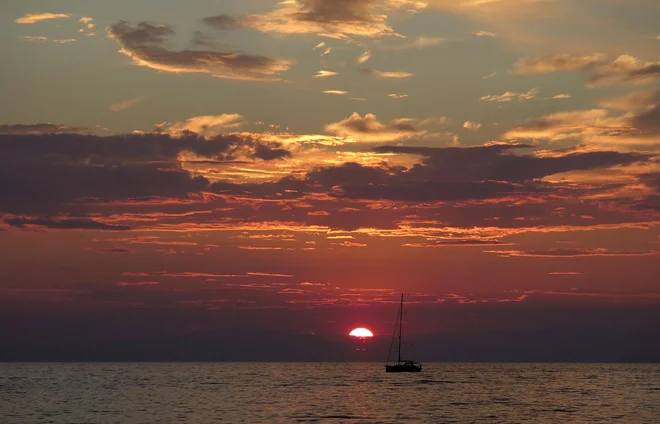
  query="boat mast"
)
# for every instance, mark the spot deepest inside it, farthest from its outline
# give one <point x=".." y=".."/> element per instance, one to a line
<point x="400" y="325"/>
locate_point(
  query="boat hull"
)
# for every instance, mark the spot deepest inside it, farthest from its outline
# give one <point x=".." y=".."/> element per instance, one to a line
<point x="403" y="368"/>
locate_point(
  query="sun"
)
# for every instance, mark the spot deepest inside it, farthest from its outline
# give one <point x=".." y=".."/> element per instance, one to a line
<point x="361" y="333"/>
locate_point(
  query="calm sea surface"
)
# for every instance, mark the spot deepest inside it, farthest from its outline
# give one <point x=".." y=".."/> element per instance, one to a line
<point x="328" y="392"/>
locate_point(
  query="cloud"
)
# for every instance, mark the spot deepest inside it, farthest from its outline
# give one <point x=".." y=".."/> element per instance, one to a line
<point x="137" y="283"/>
<point x="111" y="250"/>
<point x="556" y="63"/>
<point x="268" y="274"/>
<point x="566" y="125"/>
<point x="33" y="129"/>
<point x="626" y="70"/>
<point x="35" y="38"/>
<point x="510" y="95"/>
<point x="397" y="96"/>
<point x="341" y="17"/>
<point x="45" y="40"/>
<point x="332" y="18"/>
<point x="33" y="18"/>
<point x="325" y="74"/>
<point x="379" y="74"/>
<point x="456" y="243"/>
<point x="649" y="121"/>
<point x="635" y="101"/>
<point x="226" y="22"/>
<point x="114" y="167"/>
<point x="472" y="126"/>
<point x="411" y="6"/>
<point x="144" y="44"/>
<point x="336" y="92"/>
<point x="419" y="42"/>
<point x="570" y="253"/>
<point x="562" y="96"/>
<point x="485" y="34"/>
<point x="62" y="223"/>
<point x="369" y="129"/>
<point x="364" y="57"/>
<point x="496" y="163"/>
<point x="207" y="125"/>
<point x="126" y="104"/>
<point x="89" y="26"/>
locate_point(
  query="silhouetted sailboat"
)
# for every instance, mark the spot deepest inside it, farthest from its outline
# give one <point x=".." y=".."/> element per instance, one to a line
<point x="401" y="365"/>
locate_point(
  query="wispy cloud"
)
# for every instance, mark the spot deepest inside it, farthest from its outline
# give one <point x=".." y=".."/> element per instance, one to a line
<point x="336" y="92"/>
<point x="126" y="104"/>
<point x="325" y="74"/>
<point x="33" y="18"/>
<point x="510" y="95"/>
<point x="380" y="74"/>
<point x="571" y="253"/>
<point x="419" y="42"/>
<point x="364" y="57"/>
<point x="556" y="63"/>
<point x="35" y="38"/>
<point x="209" y="125"/>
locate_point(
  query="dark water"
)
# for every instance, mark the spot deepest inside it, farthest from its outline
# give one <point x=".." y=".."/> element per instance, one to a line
<point x="328" y="392"/>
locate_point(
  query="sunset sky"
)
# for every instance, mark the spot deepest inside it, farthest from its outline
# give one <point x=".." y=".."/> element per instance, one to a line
<point x="183" y="171"/>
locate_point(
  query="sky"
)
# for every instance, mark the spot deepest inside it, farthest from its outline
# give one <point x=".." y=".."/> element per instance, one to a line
<point x="226" y="180"/>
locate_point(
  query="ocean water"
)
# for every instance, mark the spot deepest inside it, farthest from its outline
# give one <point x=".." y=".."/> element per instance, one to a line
<point x="327" y="392"/>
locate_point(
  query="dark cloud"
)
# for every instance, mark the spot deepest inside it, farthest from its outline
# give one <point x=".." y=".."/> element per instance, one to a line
<point x="652" y="180"/>
<point x="648" y="121"/>
<point x="17" y="129"/>
<point x="151" y="147"/>
<point x="112" y="250"/>
<point x="335" y="11"/>
<point x="226" y="22"/>
<point x="38" y="173"/>
<point x="144" y="44"/>
<point x="495" y="163"/>
<point x="268" y="153"/>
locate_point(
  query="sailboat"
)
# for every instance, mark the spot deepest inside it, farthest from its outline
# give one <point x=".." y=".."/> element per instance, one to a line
<point x="401" y="365"/>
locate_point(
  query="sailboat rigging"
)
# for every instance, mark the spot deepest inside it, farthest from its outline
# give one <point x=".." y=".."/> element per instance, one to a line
<point x="401" y="365"/>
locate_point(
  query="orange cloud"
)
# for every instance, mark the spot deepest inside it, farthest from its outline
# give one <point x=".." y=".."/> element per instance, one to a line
<point x="556" y="63"/>
<point x="386" y="75"/>
<point x="33" y="18"/>
<point x="369" y="129"/>
<point x="510" y="95"/>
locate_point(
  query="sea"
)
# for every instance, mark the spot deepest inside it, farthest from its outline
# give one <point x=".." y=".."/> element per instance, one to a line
<point x="135" y="393"/>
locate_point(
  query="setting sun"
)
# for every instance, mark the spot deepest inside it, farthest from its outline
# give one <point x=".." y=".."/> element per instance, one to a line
<point x="361" y="332"/>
